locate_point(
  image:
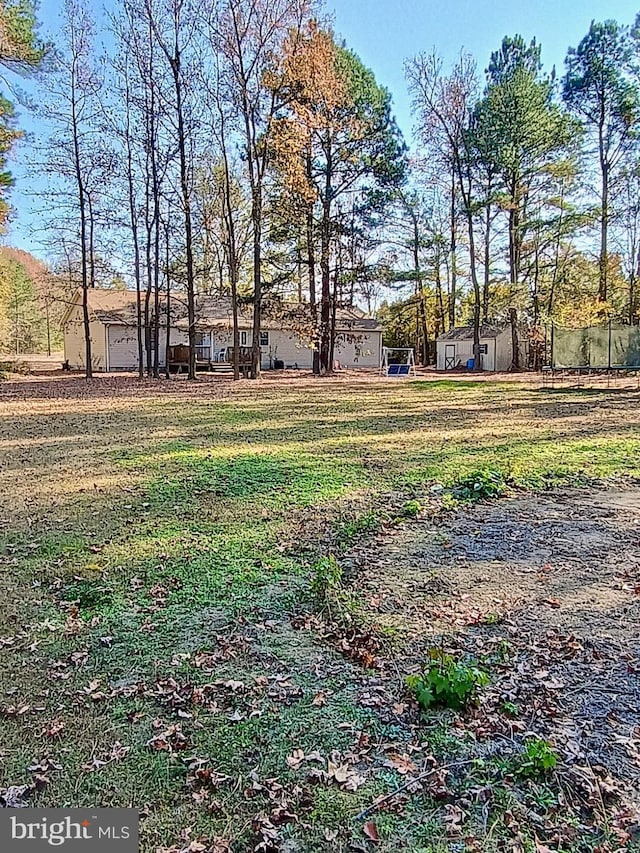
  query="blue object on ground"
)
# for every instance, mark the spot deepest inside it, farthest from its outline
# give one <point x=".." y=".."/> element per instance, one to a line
<point x="398" y="369"/>
<point x="471" y="363"/>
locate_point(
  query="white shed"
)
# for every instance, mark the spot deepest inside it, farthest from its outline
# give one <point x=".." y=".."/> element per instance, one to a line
<point x="454" y="349"/>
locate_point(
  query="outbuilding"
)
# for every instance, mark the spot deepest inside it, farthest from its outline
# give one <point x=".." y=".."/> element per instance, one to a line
<point x="454" y="349"/>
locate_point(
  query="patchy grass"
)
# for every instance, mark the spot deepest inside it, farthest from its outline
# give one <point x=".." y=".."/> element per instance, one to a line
<point x="157" y="558"/>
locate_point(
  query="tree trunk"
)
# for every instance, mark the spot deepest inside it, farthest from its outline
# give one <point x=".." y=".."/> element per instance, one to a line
<point x="46" y="305"/>
<point x="174" y="59"/>
<point x="604" y="235"/>
<point x="133" y="222"/>
<point x="633" y="282"/>
<point x="422" y="314"/>
<point x="424" y="354"/>
<point x="83" y="232"/>
<point x="466" y="198"/>
<point x="440" y="313"/>
<point x="147" y="295"/>
<point x="311" y="261"/>
<point x="325" y="255"/>
<point x="556" y="253"/>
<point x="334" y="306"/>
<point x="256" y="216"/>
<point x="167" y="260"/>
<point x="186" y="204"/>
<point x="325" y="300"/>
<point x="536" y="277"/>
<point x="155" y="190"/>
<point x="453" y="249"/>
<point x="17" y="323"/>
<point x="515" y="349"/>
<point x="487" y="260"/>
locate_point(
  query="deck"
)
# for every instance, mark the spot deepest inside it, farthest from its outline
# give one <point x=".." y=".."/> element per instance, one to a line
<point x="222" y="362"/>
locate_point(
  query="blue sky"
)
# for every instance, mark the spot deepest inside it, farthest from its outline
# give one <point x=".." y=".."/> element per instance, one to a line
<point x="384" y="34"/>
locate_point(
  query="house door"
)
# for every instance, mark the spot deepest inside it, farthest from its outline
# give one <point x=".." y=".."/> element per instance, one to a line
<point x="449" y="356"/>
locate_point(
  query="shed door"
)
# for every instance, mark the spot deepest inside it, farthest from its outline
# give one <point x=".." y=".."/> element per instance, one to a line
<point x="449" y="356"/>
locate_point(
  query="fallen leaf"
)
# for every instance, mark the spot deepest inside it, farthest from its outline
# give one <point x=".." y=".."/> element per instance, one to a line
<point x="371" y="831"/>
<point x="15" y="796"/>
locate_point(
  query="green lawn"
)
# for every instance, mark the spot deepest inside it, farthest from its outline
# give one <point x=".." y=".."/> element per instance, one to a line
<point x="157" y="553"/>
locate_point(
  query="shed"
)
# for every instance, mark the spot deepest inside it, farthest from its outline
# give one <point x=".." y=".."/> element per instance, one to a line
<point x="455" y="348"/>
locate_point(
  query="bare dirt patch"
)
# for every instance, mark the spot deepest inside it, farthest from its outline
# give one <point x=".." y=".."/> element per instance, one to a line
<point x="557" y="576"/>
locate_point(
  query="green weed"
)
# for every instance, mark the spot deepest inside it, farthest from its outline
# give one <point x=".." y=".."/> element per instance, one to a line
<point x="447" y="683"/>
<point x="538" y="759"/>
<point x="326" y="577"/>
<point x="411" y="509"/>
<point x="479" y="485"/>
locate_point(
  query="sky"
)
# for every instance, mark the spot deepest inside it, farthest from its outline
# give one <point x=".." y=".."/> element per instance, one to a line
<point x="384" y="34"/>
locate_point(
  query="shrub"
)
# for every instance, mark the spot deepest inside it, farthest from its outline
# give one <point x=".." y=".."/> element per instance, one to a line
<point x="447" y="683"/>
<point x="478" y="485"/>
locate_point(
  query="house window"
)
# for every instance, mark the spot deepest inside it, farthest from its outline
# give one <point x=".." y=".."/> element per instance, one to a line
<point x="484" y="349"/>
<point x="243" y="339"/>
<point x="264" y="339"/>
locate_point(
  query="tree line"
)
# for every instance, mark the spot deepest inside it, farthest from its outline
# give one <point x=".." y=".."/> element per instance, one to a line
<point x="527" y="185"/>
<point x="241" y="148"/>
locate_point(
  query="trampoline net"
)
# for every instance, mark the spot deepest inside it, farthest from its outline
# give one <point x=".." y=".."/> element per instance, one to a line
<point x="596" y="346"/>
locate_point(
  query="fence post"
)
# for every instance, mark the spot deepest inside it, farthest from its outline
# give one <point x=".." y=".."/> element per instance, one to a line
<point x="609" y="350"/>
<point x="553" y="360"/>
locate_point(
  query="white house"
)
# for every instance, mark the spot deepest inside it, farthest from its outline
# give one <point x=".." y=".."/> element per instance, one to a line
<point x="285" y="335"/>
<point x="454" y="349"/>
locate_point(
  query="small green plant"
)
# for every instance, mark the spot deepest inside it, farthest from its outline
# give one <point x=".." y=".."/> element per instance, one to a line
<point x="447" y="682"/>
<point x="348" y="532"/>
<point x="411" y="509"/>
<point x="87" y="594"/>
<point x="510" y="708"/>
<point x="449" y="502"/>
<point x="542" y="797"/>
<point x="479" y="485"/>
<point x="539" y="757"/>
<point x="326" y="577"/>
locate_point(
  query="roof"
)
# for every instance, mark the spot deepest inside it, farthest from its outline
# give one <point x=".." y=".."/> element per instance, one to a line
<point x="109" y="306"/>
<point x="118" y="307"/>
<point x="465" y="333"/>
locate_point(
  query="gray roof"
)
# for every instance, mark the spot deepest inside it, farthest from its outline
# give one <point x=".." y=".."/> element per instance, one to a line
<point x="118" y="307"/>
<point x="465" y="333"/>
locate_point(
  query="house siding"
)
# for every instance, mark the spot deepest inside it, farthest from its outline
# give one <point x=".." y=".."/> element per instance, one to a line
<point x="352" y="349"/>
<point x="115" y="345"/>
<point x="358" y="350"/>
<point x="74" y="343"/>
<point x="123" y="347"/>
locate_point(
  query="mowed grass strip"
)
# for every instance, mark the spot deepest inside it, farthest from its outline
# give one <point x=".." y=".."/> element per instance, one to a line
<point x="140" y="533"/>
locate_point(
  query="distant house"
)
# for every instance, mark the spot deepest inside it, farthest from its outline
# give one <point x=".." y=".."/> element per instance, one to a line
<point x="285" y="336"/>
<point x="454" y="349"/>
